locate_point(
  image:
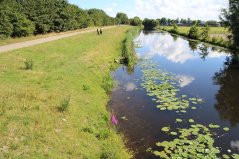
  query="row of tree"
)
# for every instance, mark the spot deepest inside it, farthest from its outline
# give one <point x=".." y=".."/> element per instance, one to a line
<point x="24" y="17"/>
<point x="187" y="22"/>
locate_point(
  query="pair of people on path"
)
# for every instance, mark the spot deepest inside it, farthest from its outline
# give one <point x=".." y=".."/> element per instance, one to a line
<point x="99" y="31"/>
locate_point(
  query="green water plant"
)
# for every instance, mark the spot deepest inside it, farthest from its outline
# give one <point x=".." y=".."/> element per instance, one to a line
<point x="197" y="141"/>
<point x="164" y="87"/>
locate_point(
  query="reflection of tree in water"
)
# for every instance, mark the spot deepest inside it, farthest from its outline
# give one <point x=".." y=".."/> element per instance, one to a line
<point x="175" y="37"/>
<point x="193" y="44"/>
<point x="203" y="51"/>
<point x="228" y="94"/>
<point x="129" y="69"/>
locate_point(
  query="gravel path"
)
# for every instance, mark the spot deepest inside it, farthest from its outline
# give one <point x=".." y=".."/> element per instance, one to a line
<point x="19" y="45"/>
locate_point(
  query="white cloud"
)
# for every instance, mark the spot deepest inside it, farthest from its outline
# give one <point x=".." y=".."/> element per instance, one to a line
<point x="194" y="9"/>
<point x="110" y="10"/>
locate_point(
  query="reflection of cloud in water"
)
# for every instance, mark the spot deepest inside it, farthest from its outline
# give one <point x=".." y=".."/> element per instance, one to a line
<point x="130" y="86"/>
<point x="164" y="45"/>
<point x="175" y="51"/>
<point x="235" y="145"/>
<point x="186" y="80"/>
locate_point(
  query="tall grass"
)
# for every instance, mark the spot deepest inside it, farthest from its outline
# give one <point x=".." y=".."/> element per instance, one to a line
<point x="128" y="46"/>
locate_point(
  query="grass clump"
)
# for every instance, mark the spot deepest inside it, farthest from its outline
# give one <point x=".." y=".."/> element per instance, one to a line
<point x="29" y="64"/>
<point x="64" y="104"/>
<point x="107" y="83"/>
<point x="128" y="46"/>
<point x="86" y="87"/>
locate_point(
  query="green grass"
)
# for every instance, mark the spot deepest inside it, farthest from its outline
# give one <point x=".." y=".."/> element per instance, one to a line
<point x="217" y="35"/>
<point x="68" y="75"/>
<point x="213" y="30"/>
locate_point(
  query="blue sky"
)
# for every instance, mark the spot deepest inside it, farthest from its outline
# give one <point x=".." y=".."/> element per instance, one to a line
<point x="194" y="9"/>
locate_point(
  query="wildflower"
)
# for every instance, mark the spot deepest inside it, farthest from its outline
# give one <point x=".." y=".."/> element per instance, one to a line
<point x="113" y="119"/>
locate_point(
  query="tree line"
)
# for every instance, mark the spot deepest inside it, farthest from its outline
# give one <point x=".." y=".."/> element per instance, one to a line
<point x="20" y="18"/>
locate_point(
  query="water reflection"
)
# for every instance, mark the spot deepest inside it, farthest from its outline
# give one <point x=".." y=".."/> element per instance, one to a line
<point x="193" y="44"/>
<point x="185" y="80"/>
<point x="235" y="145"/>
<point x="203" y="51"/>
<point x="227" y="102"/>
<point x="175" y="49"/>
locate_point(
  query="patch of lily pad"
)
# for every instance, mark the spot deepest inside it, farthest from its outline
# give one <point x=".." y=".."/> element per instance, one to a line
<point x="163" y="86"/>
<point x="194" y="142"/>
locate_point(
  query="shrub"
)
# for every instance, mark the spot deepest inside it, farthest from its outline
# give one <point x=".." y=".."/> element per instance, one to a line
<point x="29" y="64"/>
<point x="64" y="105"/>
<point x="205" y="33"/>
<point x="175" y="29"/>
<point x="193" y="32"/>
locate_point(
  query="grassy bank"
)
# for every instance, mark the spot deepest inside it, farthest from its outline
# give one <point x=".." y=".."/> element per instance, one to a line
<point x="58" y="109"/>
<point x="128" y="46"/>
<point x="217" y="35"/>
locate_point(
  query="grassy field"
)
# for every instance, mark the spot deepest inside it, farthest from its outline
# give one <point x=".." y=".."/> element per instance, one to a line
<point x="217" y="35"/>
<point x="213" y="30"/>
<point x="58" y="109"/>
<point x="32" y="37"/>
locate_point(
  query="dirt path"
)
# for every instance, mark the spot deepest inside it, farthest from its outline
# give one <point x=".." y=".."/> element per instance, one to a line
<point x="19" y="45"/>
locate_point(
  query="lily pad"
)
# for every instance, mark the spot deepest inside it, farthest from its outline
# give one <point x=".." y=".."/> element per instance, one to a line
<point x="166" y="129"/>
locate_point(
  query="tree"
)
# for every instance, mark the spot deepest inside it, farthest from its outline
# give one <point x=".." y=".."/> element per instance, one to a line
<point x="230" y="18"/>
<point x="150" y="24"/>
<point x="193" y="32"/>
<point x="136" y="21"/>
<point x="21" y="25"/>
<point x="163" y="21"/>
<point x="123" y="18"/>
<point x="6" y="27"/>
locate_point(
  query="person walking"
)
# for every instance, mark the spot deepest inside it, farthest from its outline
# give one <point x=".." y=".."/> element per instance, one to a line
<point x="98" y="31"/>
<point x="101" y="32"/>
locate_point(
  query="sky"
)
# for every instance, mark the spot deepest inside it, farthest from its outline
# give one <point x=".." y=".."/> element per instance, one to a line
<point x="194" y="9"/>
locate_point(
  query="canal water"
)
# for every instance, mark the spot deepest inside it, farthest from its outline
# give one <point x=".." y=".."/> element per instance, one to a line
<point x="206" y="72"/>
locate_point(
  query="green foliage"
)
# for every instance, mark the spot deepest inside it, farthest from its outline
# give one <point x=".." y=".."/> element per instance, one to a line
<point x="123" y="18"/>
<point x="22" y="18"/>
<point x="6" y="28"/>
<point x="175" y="29"/>
<point x="193" y="32"/>
<point x="128" y="46"/>
<point x="230" y="19"/>
<point x="136" y="21"/>
<point x="29" y="64"/>
<point x="205" y="33"/>
<point x="150" y="24"/>
<point x="107" y="83"/>
<point x="86" y="87"/>
<point x="21" y="26"/>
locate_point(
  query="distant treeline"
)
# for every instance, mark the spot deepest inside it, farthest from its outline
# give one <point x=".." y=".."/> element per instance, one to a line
<point x="24" y="17"/>
<point x="187" y="22"/>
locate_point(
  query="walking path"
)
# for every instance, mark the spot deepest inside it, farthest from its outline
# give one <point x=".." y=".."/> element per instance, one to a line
<point x="20" y="45"/>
